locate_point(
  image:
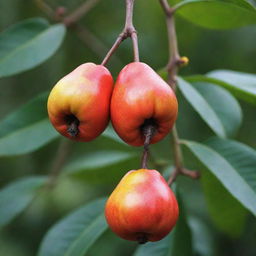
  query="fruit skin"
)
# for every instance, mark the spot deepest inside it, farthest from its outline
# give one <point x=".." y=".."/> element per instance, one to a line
<point x="142" y="206"/>
<point x="140" y="95"/>
<point x="83" y="94"/>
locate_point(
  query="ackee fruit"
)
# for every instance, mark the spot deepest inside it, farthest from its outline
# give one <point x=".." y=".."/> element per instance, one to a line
<point x="78" y="105"/>
<point x="142" y="207"/>
<point x="142" y="98"/>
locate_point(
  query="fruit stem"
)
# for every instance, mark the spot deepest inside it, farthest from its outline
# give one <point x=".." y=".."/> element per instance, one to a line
<point x="142" y="238"/>
<point x="148" y="132"/>
<point x="175" y="61"/>
<point x="72" y="129"/>
<point x="128" y="31"/>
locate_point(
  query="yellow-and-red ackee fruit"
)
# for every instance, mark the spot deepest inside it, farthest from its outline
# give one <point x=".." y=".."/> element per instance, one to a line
<point x="142" y="207"/>
<point x="141" y="98"/>
<point x="78" y="105"/>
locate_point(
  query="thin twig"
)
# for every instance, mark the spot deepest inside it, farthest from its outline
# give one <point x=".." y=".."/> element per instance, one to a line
<point x="128" y="31"/>
<point x="94" y="43"/>
<point x="82" y="32"/>
<point x="45" y="8"/>
<point x="79" y="12"/>
<point x="175" y="61"/>
<point x="59" y="161"/>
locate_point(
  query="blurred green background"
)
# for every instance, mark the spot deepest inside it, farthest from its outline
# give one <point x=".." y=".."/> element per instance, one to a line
<point x="207" y="50"/>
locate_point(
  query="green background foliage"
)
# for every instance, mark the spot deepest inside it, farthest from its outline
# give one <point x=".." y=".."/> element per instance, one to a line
<point x="217" y="124"/>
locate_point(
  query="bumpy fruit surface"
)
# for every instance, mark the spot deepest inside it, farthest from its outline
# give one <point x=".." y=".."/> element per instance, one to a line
<point x="142" y="207"/>
<point x="140" y="98"/>
<point x="78" y="105"/>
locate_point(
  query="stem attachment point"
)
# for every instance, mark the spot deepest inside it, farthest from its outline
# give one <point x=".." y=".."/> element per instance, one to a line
<point x="148" y="131"/>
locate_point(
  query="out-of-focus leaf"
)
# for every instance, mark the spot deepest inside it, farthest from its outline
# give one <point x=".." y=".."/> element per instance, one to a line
<point x="177" y="243"/>
<point x="100" y="166"/>
<point x="97" y="160"/>
<point x="242" y="85"/>
<point x="203" y="108"/>
<point x="27" y="44"/>
<point x="223" y="104"/>
<point x="227" y="213"/>
<point x="26" y="129"/>
<point x="217" y="14"/>
<point x="111" y="134"/>
<point x="76" y="233"/>
<point x="28" y="139"/>
<point x="203" y="238"/>
<point x="33" y="111"/>
<point x="233" y="164"/>
<point x="17" y="196"/>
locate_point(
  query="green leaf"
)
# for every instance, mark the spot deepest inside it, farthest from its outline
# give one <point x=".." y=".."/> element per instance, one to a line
<point x="203" y="108"/>
<point x="33" y="111"/>
<point x="217" y="14"/>
<point x="27" y="44"/>
<point x="223" y="104"/>
<point x="26" y="129"/>
<point x="111" y="134"/>
<point x="177" y="243"/>
<point x="93" y="167"/>
<point x="28" y="139"/>
<point x="203" y="237"/>
<point x="76" y="233"/>
<point x="228" y="214"/>
<point x="160" y="248"/>
<point x="97" y="160"/>
<point x="233" y="164"/>
<point x="243" y="85"/>
<point x="17" y="196"/>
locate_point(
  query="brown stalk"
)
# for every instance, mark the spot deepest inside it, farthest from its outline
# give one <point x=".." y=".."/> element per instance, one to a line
<point x="128" y="31"/>
<point x="175" y="61"/>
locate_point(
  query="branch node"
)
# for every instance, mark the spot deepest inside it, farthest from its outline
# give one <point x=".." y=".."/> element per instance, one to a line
<point x="184" y="172"/>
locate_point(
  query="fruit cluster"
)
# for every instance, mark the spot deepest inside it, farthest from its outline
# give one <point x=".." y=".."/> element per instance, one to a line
<point x="143" y="109"/>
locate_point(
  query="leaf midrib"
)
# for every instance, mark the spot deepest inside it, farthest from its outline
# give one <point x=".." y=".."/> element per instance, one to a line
<point x="29" y="42"/>
<point x="210" y="107"/>
<point x="88" y="228"/>
<point x="232" y="168"/>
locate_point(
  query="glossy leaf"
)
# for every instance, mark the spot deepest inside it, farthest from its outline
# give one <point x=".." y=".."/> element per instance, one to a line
<point x="26" y="129"/>
<point x="15" y="197"/>
<point x="203" y="108"/>
<point x="28" y="44"/>
<point x="233" y="164"/>
<point x="223" y="104"/>
<point x="217" y="14"/>
<point x="75" y="234"/>
<point x="243" y="85"/>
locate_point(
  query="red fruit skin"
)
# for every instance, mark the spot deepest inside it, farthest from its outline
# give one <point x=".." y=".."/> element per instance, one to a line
<point x="142" y="204"/>
<point x="84" y="93"/>
<point x="141" y="94"/>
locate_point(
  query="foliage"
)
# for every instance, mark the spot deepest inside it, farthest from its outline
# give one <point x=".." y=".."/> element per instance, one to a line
<point x="221" y="146"/>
